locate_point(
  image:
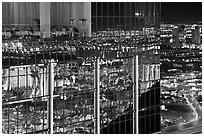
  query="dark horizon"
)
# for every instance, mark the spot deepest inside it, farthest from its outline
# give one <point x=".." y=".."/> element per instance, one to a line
<point x="181" y="12"/>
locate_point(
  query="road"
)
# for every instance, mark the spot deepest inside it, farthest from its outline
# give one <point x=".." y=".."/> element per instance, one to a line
<point x="192" y="127"/>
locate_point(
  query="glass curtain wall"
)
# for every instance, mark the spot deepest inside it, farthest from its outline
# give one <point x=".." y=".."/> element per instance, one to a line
<point x="138" y="22"/>
<point x="126" y="16"/>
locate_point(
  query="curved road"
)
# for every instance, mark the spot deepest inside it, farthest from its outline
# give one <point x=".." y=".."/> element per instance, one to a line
<point x="192" y="127"/>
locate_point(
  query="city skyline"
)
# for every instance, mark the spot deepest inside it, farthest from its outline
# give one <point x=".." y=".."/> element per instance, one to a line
<point x="101" y="68"/>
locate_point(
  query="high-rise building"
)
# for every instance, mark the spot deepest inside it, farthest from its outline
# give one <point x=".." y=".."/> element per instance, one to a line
<point x="130" y="29"/>
<point x="47" y="15"/>
<point x="124" y="15"/>
<point x="178" y="35"/>
<point x="196" y="38"/>
<point x="143" y="20"/>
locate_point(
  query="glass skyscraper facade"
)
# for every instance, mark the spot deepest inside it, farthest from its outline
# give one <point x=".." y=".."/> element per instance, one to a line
<point x="69" y="82"/>
<point x="124" y="15"/>
<point x="141" y="21"/>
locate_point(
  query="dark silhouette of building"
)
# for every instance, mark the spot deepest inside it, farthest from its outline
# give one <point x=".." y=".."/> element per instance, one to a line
<point x="149" y="119"/>
<point x="149" y="113"/>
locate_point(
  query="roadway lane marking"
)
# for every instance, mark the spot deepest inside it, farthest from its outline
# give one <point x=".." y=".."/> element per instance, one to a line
<point x="196" y="113"/>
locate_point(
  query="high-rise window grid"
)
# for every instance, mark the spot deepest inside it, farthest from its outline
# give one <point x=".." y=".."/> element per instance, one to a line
<point x="136" y="27"/>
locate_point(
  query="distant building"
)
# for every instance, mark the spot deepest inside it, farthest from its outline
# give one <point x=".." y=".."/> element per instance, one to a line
<point x="178" y="35"/>
<point x="196" y="38"/>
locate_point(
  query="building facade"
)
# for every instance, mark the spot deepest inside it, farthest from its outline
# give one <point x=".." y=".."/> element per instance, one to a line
<point x="119" y="32"/>
<point x="196" y="38"/>
<point x="142" y="20"/>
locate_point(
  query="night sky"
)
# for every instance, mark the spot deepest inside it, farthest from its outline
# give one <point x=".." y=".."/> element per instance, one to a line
<point x="181" y="12"/>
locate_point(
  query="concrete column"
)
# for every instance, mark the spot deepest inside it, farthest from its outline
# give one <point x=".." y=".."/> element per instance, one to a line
<point x="87" y="16"/>
<point x="14" y="7"/>
<point x="75" y="9"/>
<point x="81" y="10"/>
<point x="45" y="19"/>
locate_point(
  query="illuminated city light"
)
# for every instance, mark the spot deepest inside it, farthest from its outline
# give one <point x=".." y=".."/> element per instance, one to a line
<point x="137" y="14"/>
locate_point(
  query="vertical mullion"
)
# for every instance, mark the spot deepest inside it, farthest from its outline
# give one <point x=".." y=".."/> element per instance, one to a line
<point x="26" y="97"/>
<point x="125" y="89"/>
<point x="63" y="112"/>
<point x="101" y="18"/>
<point x="113" y="20"/>
<point x="96" y="98"/>
<point x="135" y="94"/>
<point x="108" y="16"/>
<point x="18" y="95"/>
<point x="8" y="95"/>
<point x="43" y="88"/>
<point x="96" y="19"/>
<point x="50" y="97"/>
<point x="119" y="16"/>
